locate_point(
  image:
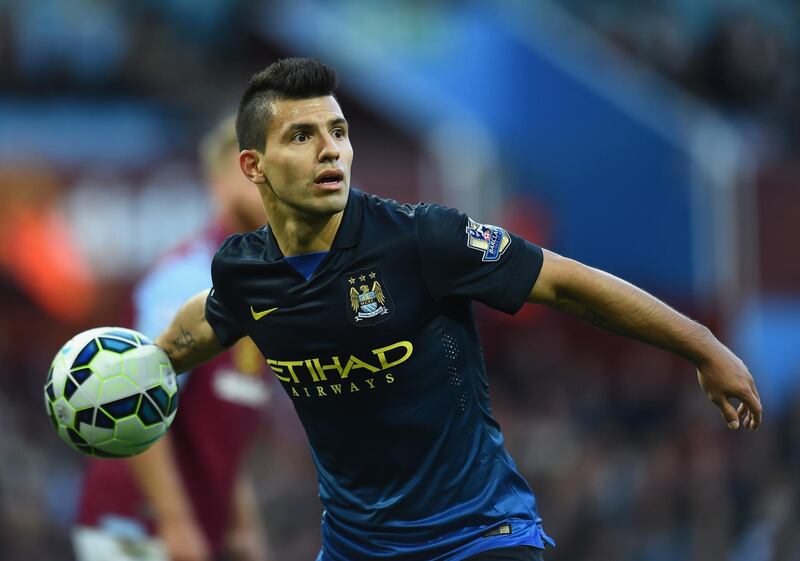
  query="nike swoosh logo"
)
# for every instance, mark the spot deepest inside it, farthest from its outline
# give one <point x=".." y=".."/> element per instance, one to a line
<point x="258" y="315"/>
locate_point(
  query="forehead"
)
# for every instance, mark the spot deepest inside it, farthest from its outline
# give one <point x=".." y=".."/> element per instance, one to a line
<point x="286" y="112"/>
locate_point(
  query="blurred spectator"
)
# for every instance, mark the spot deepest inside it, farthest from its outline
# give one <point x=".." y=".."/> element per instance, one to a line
<point x="742" y="56"/>
<point x="81" y="40"/>
<point x="36" y="249"/>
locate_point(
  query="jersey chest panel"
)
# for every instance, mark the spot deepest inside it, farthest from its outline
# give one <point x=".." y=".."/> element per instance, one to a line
<point x="350" y="333"/>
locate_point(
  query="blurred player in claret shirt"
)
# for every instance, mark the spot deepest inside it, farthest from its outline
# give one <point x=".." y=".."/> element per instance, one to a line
<point x="187" y="498"/>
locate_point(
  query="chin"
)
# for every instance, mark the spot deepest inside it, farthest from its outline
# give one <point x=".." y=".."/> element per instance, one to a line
<point x="332" y="209"/>
<point x="333" y="202"/>
<point x="320" y="209"/>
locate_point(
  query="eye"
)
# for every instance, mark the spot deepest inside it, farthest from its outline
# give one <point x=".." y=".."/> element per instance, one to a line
<point x="339" y="133"/>
<point x="299" y="137"/>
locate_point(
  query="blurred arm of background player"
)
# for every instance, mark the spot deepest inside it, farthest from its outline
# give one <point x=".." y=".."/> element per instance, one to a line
<point x="617" y="306"/>
<point x="156" y="474"/>
<point x="246" y="538"/>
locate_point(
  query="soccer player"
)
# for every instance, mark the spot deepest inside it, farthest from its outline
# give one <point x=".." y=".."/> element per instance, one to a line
<point x="362" y="307"/>
<point x="189" y="488"/>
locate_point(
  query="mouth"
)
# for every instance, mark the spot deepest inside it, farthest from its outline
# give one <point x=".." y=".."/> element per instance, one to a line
<point x="329" y="179"/>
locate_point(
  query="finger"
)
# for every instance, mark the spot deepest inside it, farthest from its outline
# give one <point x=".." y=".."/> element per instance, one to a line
<point x="741" y="410"/>
<point x="754" y="406"/>
<point x="758" y="397"/>
<point x="753" y="387"/>
<point x="728" y="412"/>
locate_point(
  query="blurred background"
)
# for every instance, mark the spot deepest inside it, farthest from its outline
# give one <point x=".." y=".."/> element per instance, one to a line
<point x="657" y="140"/>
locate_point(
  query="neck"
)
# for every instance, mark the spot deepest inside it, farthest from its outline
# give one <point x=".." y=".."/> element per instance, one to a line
<point x="298" y="234"/>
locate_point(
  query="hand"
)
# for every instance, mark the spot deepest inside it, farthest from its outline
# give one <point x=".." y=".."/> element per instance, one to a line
<point x="184" y="541"/>
<point x="247" y="544"/>
<point x="725" y="376"/>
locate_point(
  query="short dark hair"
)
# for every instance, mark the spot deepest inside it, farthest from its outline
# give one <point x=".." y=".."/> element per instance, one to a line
<point x="287" y="78"/>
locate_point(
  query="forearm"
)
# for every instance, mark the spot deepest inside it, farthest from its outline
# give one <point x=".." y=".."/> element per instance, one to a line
<point x="159" y="480"/>
<point x="617" y="306"/>
<point x="244" y="509"/>
<point x="246" y="539"/>
<point x="620" y="307"/>
<point x="157" y="477"/>
<point x="189" y="340"/>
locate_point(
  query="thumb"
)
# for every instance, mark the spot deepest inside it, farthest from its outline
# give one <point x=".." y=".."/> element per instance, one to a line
<point x="728" y="412"/>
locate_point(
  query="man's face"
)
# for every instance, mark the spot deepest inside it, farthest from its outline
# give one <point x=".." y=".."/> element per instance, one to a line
<point x="308" y="156"/>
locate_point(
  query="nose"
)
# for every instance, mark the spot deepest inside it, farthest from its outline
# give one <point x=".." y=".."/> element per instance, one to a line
<point x="329" y="150"/>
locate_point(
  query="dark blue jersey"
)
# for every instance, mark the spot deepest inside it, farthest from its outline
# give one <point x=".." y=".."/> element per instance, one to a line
<point x="379" y="352"/>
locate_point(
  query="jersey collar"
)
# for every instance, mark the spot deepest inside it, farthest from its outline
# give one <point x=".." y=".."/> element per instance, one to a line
<point x="346" y="236"/>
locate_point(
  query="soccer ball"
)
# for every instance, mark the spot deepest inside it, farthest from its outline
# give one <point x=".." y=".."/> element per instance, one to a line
<point x="111" y="392"/>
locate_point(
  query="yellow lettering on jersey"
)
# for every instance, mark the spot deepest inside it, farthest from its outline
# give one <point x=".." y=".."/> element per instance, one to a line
<point x="354" y="363"/>
<point x="290" y="364"/>
<point x="310" y="366"/>
<point x="294" y="392"/>
<point x="354" y="388"/>
<point x="322" y="368"/>
<point x="371" y="382"/>
<point x="409" y="349"/>
<point x="388" y="356"/>
<point x="277" y="370"/>
<point x="321" y="391"/>
<point x="337" y="389"/>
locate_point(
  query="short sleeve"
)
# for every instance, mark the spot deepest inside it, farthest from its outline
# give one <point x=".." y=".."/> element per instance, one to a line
<point x="464" y="258"/>
<point x="221" y="320"/>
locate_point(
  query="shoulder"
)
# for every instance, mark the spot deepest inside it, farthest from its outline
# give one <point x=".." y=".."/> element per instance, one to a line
<point x="247" y="246"/>
<point x="236" y="252"/>
<point x="179" y="273"/>
<point x="433" y="213"/>
<point x="406" y="212"/>
<point x="421" y="223"/>
<point x="192" y="254"/>
<point x="181" y="269"/>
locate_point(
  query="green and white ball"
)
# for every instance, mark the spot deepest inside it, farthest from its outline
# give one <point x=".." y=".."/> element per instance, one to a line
<point x="111" y="392"/>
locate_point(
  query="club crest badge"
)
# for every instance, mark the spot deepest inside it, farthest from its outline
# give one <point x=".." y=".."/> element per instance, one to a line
<point x="368" y="300"/>
<point x="490" y="240"/>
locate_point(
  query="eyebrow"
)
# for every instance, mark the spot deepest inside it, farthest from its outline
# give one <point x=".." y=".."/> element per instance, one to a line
<point x="308" y="126"/>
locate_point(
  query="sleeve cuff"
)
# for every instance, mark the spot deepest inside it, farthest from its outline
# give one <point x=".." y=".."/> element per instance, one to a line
<point x="225" y="331"/>
<point x="524" y="277"/>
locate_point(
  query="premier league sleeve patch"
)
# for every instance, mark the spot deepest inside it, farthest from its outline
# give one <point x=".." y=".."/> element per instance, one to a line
<point x="490" y="240"/>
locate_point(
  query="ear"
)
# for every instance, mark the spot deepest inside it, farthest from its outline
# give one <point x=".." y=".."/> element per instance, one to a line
<point x="249" y="161"/>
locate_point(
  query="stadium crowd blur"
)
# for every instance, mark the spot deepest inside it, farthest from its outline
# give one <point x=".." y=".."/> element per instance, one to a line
<point x="101" y="103"/>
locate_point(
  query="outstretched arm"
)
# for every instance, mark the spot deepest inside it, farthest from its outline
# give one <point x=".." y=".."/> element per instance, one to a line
<point x="617" y="306"/>
<point x="189" y="340"/>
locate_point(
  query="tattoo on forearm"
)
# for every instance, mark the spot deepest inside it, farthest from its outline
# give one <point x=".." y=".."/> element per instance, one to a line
<point x="184" y="341"/>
